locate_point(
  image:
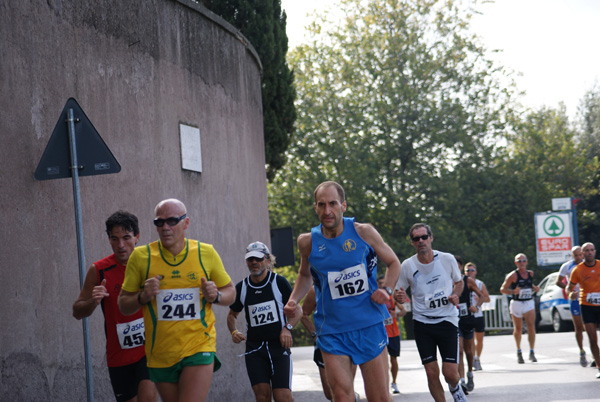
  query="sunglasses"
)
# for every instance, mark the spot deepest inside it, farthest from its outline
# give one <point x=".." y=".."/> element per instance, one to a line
<point x="417" y="238"/>
<point x="251" y="259"/>
<point x="520" y="260"/>
<point x="470" y="270"/>
<point x="172" y="221"/>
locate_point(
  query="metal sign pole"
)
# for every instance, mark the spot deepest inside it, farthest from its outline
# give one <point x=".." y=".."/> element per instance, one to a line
<point x="80" y="250"/>
<point x="575" y="230"/>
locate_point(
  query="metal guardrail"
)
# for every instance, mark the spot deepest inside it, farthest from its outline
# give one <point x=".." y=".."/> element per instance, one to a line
<point x="496" y="314"/>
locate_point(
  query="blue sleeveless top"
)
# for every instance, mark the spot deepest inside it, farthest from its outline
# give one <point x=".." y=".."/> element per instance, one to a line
<point x="344" y="270"/>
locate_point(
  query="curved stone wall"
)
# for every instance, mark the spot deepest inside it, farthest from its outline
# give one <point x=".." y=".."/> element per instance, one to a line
<point x="138" y="70"/>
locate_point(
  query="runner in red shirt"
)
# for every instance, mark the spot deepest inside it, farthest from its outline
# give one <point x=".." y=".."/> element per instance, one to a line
<point x="125" y="354"/>
<point x="396" y="311"/>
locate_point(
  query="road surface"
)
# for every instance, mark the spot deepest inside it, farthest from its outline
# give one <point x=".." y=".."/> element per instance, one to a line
<point x="557" y="376"/>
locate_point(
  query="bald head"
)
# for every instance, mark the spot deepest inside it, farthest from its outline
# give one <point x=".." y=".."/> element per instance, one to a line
<point x="577" y="254"/>
<point x="171" y="223"/>
<point x="520" y="256"/>
<point x="171" y="203"/>
<point x="521" y="261"/>
<point x="589" y="253"/>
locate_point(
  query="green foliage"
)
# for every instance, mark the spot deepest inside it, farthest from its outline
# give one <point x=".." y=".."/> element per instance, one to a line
<point x="263" y="23"/>
<point x="389" y="101"/>
<point x="589" y="138"/>
<point x="490" y="209"/>
<point x="400" y="105"/>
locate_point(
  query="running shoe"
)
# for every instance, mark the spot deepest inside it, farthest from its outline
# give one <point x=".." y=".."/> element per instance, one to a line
<point x="395" y="388"/>
<point x="520" y="358"/>
<point x="470" y="382"/>
<point x="582" y="360"/>
<point x="598" y="375"/>
<point x="463" y="386"/>
<point x="532" y="357"/>
<point x="593" y="363"/>
<point x="459" y="395"/>
<point x="476" y="364"/>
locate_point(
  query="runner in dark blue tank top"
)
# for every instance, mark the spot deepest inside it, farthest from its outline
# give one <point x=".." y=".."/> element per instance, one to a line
<point x="341" y="256"/>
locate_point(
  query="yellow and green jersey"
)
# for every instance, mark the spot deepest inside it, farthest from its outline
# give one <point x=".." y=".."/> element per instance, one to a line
<point x="179" y="322"/>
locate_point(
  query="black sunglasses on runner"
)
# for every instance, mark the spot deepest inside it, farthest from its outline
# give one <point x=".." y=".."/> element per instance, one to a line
<point x="172" y="221"/>
<point x="417" y="238"/>
<point x="250" y="259"/>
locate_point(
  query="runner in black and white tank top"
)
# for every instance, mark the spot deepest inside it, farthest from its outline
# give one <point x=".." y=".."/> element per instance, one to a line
<point x="525" y="284"/>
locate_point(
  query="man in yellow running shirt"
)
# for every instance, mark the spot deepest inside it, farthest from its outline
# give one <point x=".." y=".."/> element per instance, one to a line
<point x="177" y="281"/>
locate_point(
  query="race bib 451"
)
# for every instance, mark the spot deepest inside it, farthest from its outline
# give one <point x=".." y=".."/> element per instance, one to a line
<point x="131" y="334"/>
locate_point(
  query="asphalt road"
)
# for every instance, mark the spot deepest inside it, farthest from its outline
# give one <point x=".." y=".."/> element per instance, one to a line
<point x="557" y="376"/>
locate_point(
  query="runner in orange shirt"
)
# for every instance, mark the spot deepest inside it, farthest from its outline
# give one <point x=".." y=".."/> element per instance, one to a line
<point x="396" y="311"/>
<point x="587" y="275"/>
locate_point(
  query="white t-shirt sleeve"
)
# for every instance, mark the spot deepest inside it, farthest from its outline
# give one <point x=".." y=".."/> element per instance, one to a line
<point x="404" y="274"/>
<point x="452" y="266"/>
<point x="564" y="269"/>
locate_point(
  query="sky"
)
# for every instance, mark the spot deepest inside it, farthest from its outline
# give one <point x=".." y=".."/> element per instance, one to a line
<point x="552" y="43"/>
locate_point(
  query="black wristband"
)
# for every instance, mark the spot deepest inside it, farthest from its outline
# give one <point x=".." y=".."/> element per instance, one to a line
<point x="139" y="298"/>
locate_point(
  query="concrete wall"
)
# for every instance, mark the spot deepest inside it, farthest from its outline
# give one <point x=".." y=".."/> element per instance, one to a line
<point x="138" y="70"/>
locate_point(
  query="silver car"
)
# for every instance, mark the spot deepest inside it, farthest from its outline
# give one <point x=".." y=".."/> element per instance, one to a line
<point x="553" y="305"/>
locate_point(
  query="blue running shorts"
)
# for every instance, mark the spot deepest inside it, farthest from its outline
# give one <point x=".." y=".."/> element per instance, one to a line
<point x="361" y="345"/>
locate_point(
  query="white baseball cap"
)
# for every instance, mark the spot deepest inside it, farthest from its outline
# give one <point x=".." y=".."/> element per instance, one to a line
<point x="257" y="249"/>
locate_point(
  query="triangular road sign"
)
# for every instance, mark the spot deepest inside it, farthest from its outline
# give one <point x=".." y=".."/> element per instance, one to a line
<point x="93" y="156"/>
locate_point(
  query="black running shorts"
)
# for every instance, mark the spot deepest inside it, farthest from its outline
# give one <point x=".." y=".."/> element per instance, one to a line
<point x="269" y="362"/>
<point x="125" y="379"/>
<point x="442" y="336"/>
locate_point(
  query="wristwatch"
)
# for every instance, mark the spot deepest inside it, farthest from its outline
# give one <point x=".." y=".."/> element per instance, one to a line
<point x="313" y="334"/>
<point x="388" y="290"/>
<point x="218" y="298"/>
<point x="289" y="327"/>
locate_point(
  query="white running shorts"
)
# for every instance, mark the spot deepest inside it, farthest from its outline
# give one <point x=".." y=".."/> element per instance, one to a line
<point x="518" y="308"/>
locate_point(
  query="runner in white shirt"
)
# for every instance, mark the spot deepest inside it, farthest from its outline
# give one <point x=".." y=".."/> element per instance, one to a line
<point x="436" y="283"/>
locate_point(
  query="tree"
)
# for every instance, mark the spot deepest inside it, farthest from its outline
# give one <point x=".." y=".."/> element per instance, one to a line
<point x="489" y="209"/>
<point x="400" y="105"/>
<point x="263" y="23"/>
<point x="389" y="99"/>
<point x="589" y="138"/>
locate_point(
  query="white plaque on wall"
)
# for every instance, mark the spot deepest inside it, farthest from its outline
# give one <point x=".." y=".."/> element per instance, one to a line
<point x="191" y="150"/>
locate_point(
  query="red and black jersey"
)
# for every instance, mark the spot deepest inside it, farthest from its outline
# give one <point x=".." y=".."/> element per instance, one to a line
<point x="108" y="268"/>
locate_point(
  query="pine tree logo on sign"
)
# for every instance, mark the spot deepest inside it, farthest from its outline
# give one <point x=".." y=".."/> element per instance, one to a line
<point x="553" y="226"/>
<point x="554" y="237"/>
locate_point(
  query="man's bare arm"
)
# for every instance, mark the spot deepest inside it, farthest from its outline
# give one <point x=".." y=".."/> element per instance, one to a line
<point x="384" y="252"/>
<point x="90" y="296"/>
<point x="304" y="280"/>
